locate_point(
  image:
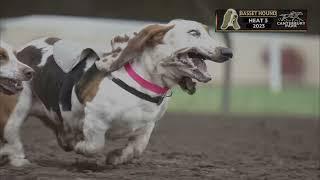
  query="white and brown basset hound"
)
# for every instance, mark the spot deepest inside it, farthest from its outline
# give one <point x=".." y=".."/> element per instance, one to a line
<point x="121" y="93"/>
<point x="12" y="73"/>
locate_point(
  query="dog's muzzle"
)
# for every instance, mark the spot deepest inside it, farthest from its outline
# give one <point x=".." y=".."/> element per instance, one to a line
<point x="223" y="54"/>
<point x="226" y="52"/>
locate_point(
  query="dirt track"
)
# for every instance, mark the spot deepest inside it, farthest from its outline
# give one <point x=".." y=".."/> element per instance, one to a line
<point x="188" y="147"/>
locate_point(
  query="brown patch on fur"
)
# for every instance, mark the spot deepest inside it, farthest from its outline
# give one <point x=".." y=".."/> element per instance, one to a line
<point x="88" y="85"/>
<point x="115" y="55"/>
<point x="30" y="56"/>
<point x="90" y="92"/>
<point x="52" y="40"/>
<point x="8" y="103"/>
<point x="115" y="51"/>
<point x="106" y="54"/>
<point x="150" y="35"/>
<point x="4" y="57"/>
<point x="121" y="39"/>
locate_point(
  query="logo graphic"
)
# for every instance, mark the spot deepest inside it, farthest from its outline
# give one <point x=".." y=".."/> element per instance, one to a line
<point x="291" y="17"/>
<point x="230" y="19"/>
<point x="261" y="20"/>
<point x="291" y="20"/>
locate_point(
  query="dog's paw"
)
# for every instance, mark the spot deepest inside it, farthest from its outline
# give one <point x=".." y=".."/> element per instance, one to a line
<point x="86" y="149"/>
<point x="19" y="162"/>
<point x="82" y="148"/>
<point x="117" y="157"/>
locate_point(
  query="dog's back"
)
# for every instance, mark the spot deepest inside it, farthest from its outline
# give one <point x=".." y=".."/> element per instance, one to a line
<point x="51" y="84"/>
<point x="36" y="53"/>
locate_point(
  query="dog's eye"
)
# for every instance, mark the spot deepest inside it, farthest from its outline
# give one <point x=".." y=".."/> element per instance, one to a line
<point x="194" y="33"/>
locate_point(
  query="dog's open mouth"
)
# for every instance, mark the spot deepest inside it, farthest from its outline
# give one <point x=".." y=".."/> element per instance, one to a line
<point x="10" y="86"/>
<point x="194" y="67"/>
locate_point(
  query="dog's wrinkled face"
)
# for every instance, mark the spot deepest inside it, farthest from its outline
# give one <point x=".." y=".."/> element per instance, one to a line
<point x="185" y="48"/>
<point x="12" y="72"/>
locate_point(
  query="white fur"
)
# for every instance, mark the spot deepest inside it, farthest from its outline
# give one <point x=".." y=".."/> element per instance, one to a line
<point x="13" y="69"/>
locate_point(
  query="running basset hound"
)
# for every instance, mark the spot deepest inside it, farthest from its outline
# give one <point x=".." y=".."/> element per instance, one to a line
<point x="87" y="98"/>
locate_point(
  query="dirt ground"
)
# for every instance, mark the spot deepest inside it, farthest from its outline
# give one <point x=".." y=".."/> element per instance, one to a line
<point x="188" y="147"/>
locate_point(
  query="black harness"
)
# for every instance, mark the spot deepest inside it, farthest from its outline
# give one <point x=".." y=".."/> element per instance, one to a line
<point x="156" y="99"/>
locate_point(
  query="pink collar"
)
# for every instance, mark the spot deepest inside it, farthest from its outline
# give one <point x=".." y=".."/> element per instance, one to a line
<point x="144" y="83"/>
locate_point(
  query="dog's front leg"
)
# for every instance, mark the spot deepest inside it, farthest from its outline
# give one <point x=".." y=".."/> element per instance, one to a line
<point x="135" y="147"/>
<point x="13" y="147"/>
<point x="94" y="130"/>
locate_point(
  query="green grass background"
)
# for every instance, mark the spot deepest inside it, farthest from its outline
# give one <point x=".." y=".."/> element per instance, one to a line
<point x="246" y="100"/>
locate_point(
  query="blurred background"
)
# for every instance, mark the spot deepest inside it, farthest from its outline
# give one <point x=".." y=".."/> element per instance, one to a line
<point x="271" y="73"/>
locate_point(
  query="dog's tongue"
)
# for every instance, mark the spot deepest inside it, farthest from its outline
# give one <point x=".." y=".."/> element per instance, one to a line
<point x="201" y="71"/>
<point x="188" y="85"/>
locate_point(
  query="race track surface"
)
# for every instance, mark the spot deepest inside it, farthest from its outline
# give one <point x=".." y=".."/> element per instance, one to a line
<point x="188" y="147"/>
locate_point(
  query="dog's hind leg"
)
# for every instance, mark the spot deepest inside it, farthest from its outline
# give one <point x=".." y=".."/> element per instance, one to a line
<point x="135" y="147"/>
<point x="13" y="147"/>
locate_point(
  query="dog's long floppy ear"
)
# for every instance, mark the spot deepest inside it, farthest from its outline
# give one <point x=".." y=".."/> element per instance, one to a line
<point x="149" y="36"/>
<point x="127" y="48"/>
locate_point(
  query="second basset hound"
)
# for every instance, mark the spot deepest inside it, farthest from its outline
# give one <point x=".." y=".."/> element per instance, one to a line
<point x="12" y="73"/>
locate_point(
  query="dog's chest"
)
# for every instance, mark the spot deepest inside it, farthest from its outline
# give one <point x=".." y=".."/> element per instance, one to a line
<point x="122" y="111"/>
<point x="130" y="122"/>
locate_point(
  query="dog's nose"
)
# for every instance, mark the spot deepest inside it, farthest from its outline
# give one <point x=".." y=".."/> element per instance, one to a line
<point x="28" y="73"/>
<point x="227" y="52"/>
